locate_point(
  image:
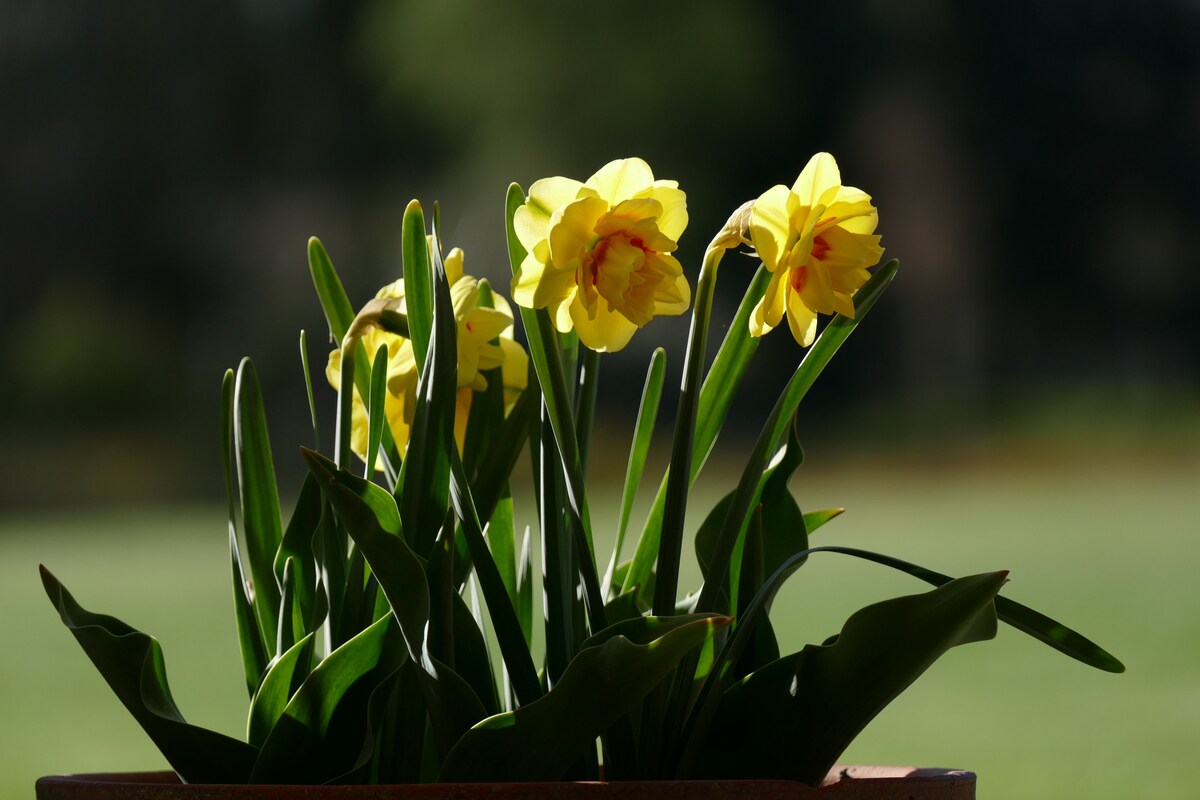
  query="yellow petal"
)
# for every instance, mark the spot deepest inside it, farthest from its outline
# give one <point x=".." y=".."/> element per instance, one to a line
<point x="770" y="226"/>
<point x="550" y="194"/>
<point x="772" y="306"/>
<point x="453" y="262"/>
<point x="608" y="332"/>
<point x="819" y="176"/>
<point x="531" y="225"/>
<point x="621" y="179"/>
<point x="675" y="300"/>
<point x="801" y="319"/>
<point x="673" y="218"/>
<point x="573" y="229"/>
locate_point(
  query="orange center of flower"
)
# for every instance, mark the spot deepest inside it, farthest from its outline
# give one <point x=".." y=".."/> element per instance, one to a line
<point x="820" y="247"/>
<point x="799" y="278"/>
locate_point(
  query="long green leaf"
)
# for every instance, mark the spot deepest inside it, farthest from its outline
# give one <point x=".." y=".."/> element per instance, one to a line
<point x="250" y="641"/>
<point x="276" y="690"/>
<point x="425" y="475"/>
<point x="418" y="280"/>
<point x="376" y="415"/>
<point x="792" y="719"/>
<point x="338" y="311"/>
<point x="320" y="733"/>
<point x="503" y="614"/>
<point x="1046" y="630"/>
<point x="298" y="544"/>
<point x="639" y="449"/>
<point x="372" y="520"/>
<point x="542" y="740"/>
<point x="716" y="396"/>
<point x="132" y="664"/>
<point x="258" y="493"/>
<point x="819" y="355"/>
<point x="543" y="352"/>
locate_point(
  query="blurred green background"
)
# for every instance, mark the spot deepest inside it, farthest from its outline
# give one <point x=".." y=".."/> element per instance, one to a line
<point x="1026" y="396"/>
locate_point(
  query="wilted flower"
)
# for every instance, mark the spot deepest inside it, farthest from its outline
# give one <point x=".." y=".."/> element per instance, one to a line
<point x="818" y="241"/>
<point x="478" y="326"/>
<point x="599" y="252"/>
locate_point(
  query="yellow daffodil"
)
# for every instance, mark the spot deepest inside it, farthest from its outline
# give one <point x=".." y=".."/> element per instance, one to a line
<point x="370" y="338"/>
<point x="477" y="327"/>
<point x="599" y="252"/>
<point x="817" y="239"/>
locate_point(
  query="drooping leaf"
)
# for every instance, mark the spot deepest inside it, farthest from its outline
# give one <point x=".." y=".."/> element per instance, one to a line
<point x="793" y="718"/>
<point x="1046" y="630"/>
<point x="541" y="741"/>
<point x="132" y="664"/>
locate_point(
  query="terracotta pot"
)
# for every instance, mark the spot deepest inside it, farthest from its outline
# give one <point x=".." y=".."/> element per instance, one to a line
<point x="844" y="783"/>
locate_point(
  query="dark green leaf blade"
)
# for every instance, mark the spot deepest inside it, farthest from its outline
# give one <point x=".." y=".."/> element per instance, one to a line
<point x="541" y="741"/>
<point x="418" y="280"/>
<point x="793" y="718"/>
<point x="259" y="495"/>
<point x="319" y="734"/>
<point x="453" y="706"/>
<point x="132" y="664"/>
<point x="276" y="690"/>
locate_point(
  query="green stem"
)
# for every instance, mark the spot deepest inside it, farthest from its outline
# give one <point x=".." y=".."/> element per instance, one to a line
<point x="671" y="542"/>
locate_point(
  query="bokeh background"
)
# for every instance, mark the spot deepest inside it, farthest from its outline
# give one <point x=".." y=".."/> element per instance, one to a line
<point x="1027" y="396"/>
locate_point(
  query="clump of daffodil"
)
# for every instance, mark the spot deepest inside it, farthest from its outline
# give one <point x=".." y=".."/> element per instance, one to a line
<point x="484" y="343"/>
<point x="599" y="252"/>
<point x="817" y="239"/>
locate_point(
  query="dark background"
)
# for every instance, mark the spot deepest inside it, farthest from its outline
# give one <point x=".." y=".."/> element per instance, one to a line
<point x="162" y="165"/>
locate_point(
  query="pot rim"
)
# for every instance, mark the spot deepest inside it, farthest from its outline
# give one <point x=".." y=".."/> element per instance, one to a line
<point x="879" y="775"/>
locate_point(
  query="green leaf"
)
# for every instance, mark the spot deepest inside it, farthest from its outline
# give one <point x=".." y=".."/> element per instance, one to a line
<point x="543" y="352"/>
<point x="250" y="639"/>
<point x="132" y="664"/>
<point x="541" y="741"/>
<point x="298" y="545"/>
<point x="308" y="387"/>
<point x="334" y="302"/>
<point x="418" y="280"/>
<point x="716" y="396"/>
<point x="792" y="719"/>
<point x="376" y="414"/>
<point x="819" y="355"/>
<point x="425" y="475"/>
<point x="815" y="519"/>
<point x="639" y="449"/>
<point x="276" y="690"/>
<point x="320" y="733"/>
<point x="453" y="706"/>
<point x="509" y="636"/>
<point x="259" y="495"/>
<point x="1046" y="630"/>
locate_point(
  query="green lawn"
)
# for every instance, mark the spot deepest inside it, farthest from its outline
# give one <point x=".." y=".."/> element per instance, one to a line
<point x="1108" y="546"/>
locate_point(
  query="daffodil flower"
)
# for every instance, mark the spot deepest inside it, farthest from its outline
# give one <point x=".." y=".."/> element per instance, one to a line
<point x="817" y="239"/>
<point x="599" y="252"/>
<point x="477" y="327"/>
